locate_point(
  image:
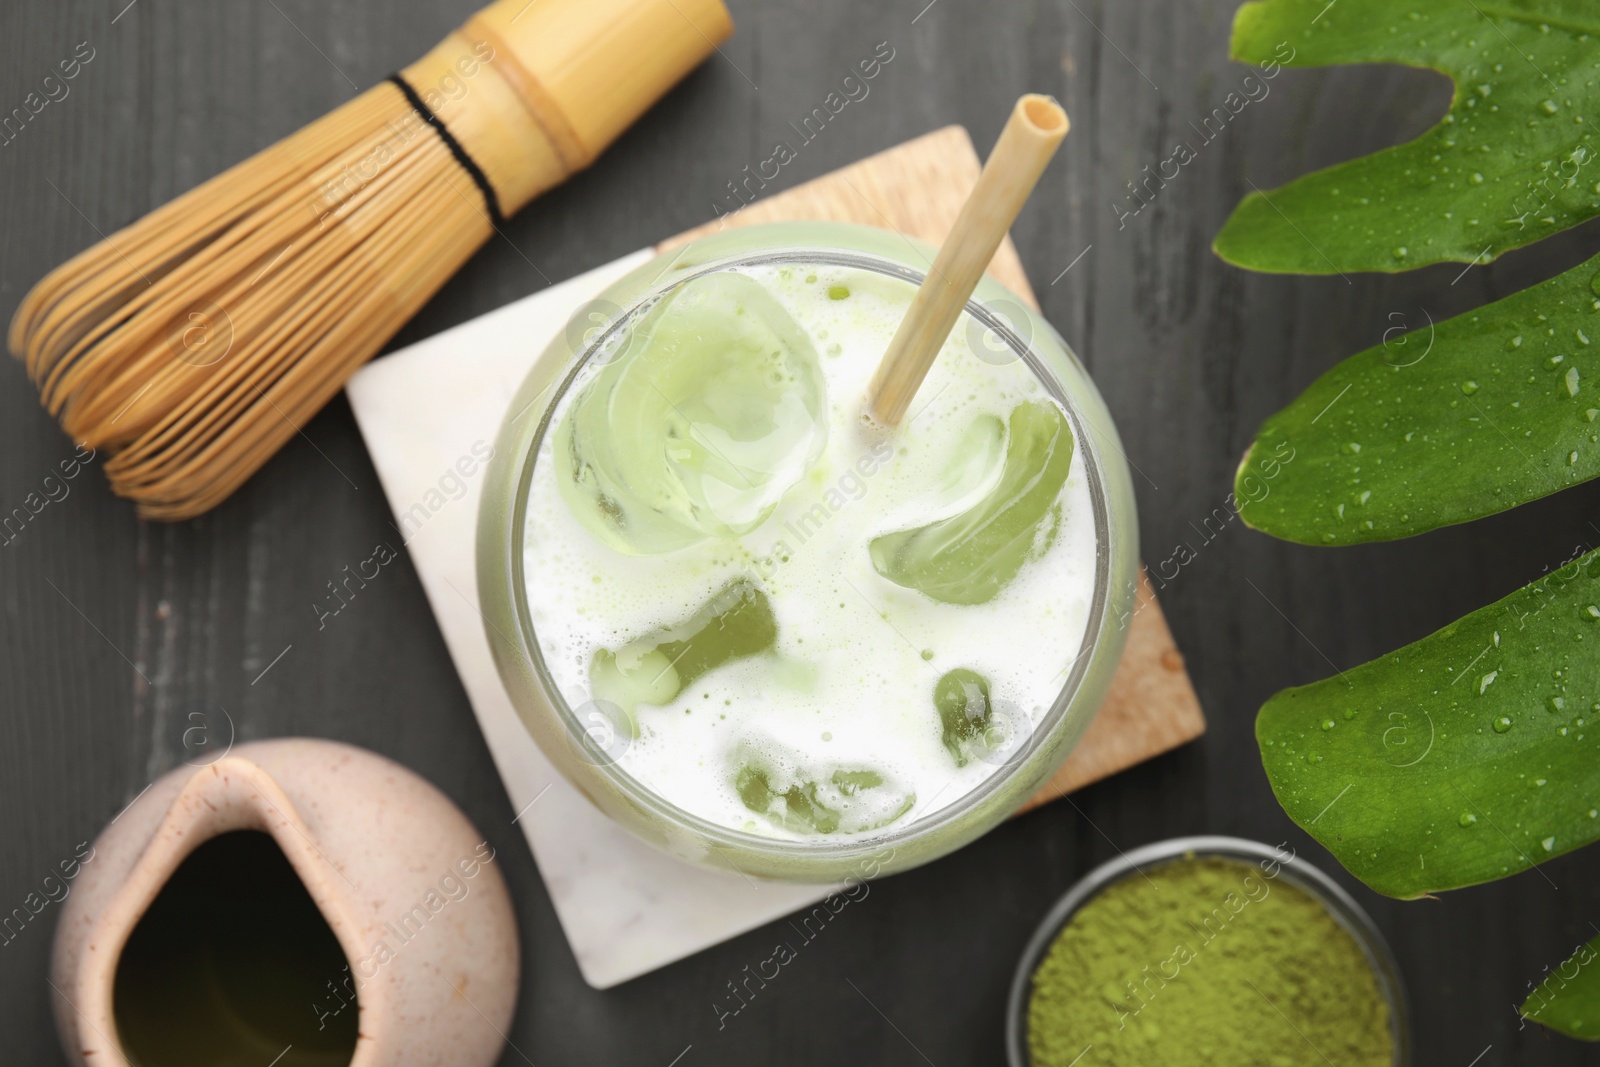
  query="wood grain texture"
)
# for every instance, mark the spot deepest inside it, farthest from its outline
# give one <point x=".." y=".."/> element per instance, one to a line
<point x="917" y="189"/>
<point x="114" y="633"/>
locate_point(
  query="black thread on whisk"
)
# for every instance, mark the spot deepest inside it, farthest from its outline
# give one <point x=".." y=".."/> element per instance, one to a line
<point x="468" y="164"/>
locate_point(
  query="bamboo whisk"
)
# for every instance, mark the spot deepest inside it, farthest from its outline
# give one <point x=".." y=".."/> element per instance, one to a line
<point x="194" y="343"/>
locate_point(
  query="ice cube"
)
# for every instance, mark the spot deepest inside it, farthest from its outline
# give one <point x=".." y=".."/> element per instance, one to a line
<point x="972" y="468"/>
<point x="962" y="700"/>
<point x="654" y="669"/>
<point x="969" y="557"/>
<point x="711" y="412"/>
<point x="818" y="800"/>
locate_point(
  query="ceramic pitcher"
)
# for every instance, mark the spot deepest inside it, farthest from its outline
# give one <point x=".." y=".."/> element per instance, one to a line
<point x="298" y="903"/>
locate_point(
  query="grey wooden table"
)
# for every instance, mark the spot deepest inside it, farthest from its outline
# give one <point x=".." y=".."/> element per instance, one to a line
<point x="1190" y="355"/>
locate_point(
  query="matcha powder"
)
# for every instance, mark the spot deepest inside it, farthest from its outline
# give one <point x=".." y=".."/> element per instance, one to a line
<point x="1207" y="961"/>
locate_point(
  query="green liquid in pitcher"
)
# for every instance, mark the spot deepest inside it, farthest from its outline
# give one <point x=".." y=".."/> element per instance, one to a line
<point x="232" y="966"/>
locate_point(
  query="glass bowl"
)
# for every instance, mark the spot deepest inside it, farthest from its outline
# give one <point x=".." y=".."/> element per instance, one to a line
<point x="583" y="746"/>
<point x="1302" y="875"/>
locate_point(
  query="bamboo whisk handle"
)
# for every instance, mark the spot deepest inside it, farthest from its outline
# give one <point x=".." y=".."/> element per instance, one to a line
<point x="564" y="79"/>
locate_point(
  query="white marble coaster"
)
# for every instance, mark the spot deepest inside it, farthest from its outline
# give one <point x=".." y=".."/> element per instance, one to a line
<point x="626" y="908"/>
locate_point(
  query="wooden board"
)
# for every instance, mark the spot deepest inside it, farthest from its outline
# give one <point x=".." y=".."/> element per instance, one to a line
<point x="917" y="189"/>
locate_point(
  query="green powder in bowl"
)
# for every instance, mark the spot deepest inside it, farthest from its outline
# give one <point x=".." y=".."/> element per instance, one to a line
<point x="1210" y="959"/>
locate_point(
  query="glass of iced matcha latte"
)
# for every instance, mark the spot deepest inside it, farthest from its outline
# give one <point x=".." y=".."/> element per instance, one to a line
<point x="762" y="631"/>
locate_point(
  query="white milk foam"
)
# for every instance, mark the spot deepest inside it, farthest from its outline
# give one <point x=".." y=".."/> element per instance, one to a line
<point x="857" y="656"/>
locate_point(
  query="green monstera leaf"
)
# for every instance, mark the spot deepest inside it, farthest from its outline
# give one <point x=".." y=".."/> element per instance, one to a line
<point x="1471" y="754"/>
<point x="1465" y="757"/>
<point x="1568" y="999"/>
<point x="1462" y="419"/>
<point x="1512" y="161"/>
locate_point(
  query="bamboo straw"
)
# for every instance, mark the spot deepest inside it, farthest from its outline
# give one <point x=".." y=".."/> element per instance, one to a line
<point x="1030" y="138"/>
<point x="194" y="343"/>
